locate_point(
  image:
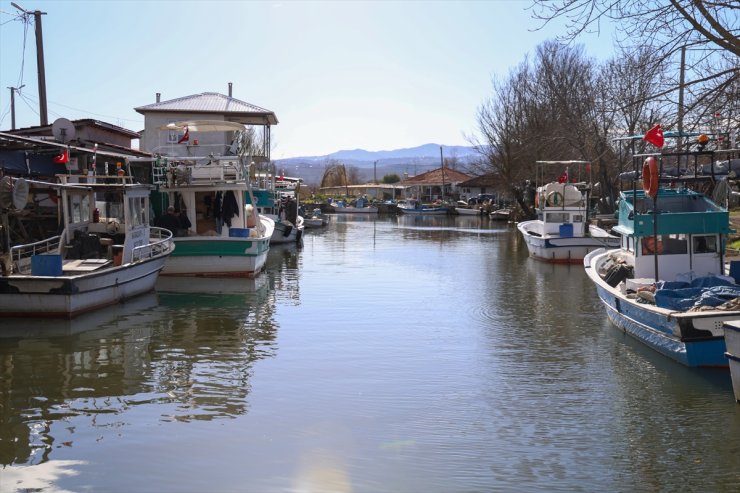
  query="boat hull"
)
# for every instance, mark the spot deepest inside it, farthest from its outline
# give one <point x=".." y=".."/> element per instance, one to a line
<point x="315" y="222"/>
<point x="694" y="339"/>
<point x="217" y="257"/>
<point x="286" y="232"/>
<point x="69" y="296"/>
<point x="732" y="343"/>
<point x="562" y="250"/>
<point x="355" y="210"/>
<point x="423" y="212"/>
<point x="468" y="212"/>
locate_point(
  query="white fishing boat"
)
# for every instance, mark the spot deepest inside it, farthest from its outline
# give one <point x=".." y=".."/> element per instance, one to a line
<point x="316" y="220"/>
<point x="503" y="214"/>
<point x="562" y="233"/>
<point x="224" y="236"/>
<point x="413" y="206"/>
<point x="464" y="209"/>
<point x="106" y="252"/>
<point x="282" y="207"/>
<point x="732" y="344"/>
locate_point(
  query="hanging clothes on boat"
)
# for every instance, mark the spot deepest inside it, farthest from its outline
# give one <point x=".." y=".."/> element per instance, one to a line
<point x="217" y="213"/>
<point x="229" y="208"/>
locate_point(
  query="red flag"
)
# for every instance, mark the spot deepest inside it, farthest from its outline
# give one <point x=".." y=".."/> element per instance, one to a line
<point x="185" y="137"/>
<point x="655" y="136"/>
<point x="62" y="158"/>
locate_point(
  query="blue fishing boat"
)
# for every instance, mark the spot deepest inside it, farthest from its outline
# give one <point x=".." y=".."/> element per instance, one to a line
<point x="665" y="284"/>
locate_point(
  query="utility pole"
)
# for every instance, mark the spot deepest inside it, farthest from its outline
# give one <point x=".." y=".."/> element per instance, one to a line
<point x="43" y="112"/>
<point x="681" y="81"/>
<point x="12" y="104"/>
<point x="442" y="160"/>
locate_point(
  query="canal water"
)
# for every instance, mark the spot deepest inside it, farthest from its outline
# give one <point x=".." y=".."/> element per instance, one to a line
<point x="389" y="354"/>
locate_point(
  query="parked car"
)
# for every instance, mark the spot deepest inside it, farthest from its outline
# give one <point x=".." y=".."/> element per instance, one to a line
<point x="481" y="198"/>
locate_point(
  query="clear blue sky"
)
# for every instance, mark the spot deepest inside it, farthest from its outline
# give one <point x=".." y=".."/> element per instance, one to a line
<point x="338" y="74"/>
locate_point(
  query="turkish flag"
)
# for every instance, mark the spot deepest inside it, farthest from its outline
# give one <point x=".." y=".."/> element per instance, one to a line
<point x="185" y="137"/>
<point x="62" y="158"/>
<point x="655" y="136"/>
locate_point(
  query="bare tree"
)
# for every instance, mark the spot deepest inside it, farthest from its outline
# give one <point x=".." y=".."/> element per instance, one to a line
<point x="335" y="174"/>
<point x="504" y="139"/>
<point x="698" y="37"/>
<point x="664" y="24"/>
<point x="353" y="175"/>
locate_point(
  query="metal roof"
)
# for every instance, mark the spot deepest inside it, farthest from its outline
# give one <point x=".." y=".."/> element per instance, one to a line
<point x="84" y="122"/>
<point x="17" y="142"/>
<point x="213" y="102"/>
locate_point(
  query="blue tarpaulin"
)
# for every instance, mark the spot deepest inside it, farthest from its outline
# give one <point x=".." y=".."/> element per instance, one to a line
<point x="703" y="291"/>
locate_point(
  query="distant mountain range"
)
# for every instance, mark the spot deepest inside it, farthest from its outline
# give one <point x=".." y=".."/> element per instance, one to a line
<point x="376" y="164"/>
<point x="426" y="151"/>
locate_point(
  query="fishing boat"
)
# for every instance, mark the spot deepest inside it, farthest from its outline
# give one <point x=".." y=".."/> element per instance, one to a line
<point x="316" y="220"/>
<point x="503" y="214"/>
<point x="732" y="343"/>
<point x="106" y="253"/>
<point x="226" y="236"/>
<point x="289" y="224"/>
<point x="666" y="285"/>
<point x="413" y="206"/>
<point x="464" y="209"/>
<point x="562" y="233"/>
<point x="361" y="206"/>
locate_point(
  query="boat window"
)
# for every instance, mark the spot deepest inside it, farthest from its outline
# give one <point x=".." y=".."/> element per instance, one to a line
<point x="558" y="217"/>
<point x="138" y="212"/>
<point x="704" y="244"/>
<point x="79" y="208"/>
<point x="667" y="245"/>
<point x="577" y="218"/>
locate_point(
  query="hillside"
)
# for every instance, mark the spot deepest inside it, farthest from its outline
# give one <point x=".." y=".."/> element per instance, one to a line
<point x="372" y="164"/>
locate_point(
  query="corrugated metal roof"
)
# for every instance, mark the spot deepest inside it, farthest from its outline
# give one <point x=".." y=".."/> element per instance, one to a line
<point x="84" y="122"/>
<point x="18" y="142"/>
<point x="213" y="102"/>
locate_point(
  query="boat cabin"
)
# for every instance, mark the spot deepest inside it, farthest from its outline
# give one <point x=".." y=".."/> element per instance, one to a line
<point x="562" y="209"/>
<point x="687" y="231"/>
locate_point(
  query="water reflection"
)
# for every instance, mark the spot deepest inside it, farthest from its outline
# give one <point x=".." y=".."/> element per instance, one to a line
<point x="184" y="353"/>
<point x="428" y="355"/>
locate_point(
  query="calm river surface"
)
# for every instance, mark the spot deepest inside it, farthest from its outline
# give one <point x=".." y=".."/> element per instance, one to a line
<point x="390" y="354"/>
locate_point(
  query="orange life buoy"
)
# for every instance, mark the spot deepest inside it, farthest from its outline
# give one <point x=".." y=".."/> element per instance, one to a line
<point x="650" y="176"/>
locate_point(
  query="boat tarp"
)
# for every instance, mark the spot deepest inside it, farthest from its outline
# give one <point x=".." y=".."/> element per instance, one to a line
<point x="30" y="164"/>
<point x="709" y="291"/>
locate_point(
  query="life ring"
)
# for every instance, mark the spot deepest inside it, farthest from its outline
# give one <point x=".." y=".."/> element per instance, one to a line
<point x="53" y="196"/>
<point x="650" y="177"/>
<point x="554" y="198"/>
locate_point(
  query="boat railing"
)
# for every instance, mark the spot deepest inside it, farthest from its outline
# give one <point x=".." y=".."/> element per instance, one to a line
<point x="160" y="241"/>
<point x="218" y="170"/>
<point x="20" y="255"/>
